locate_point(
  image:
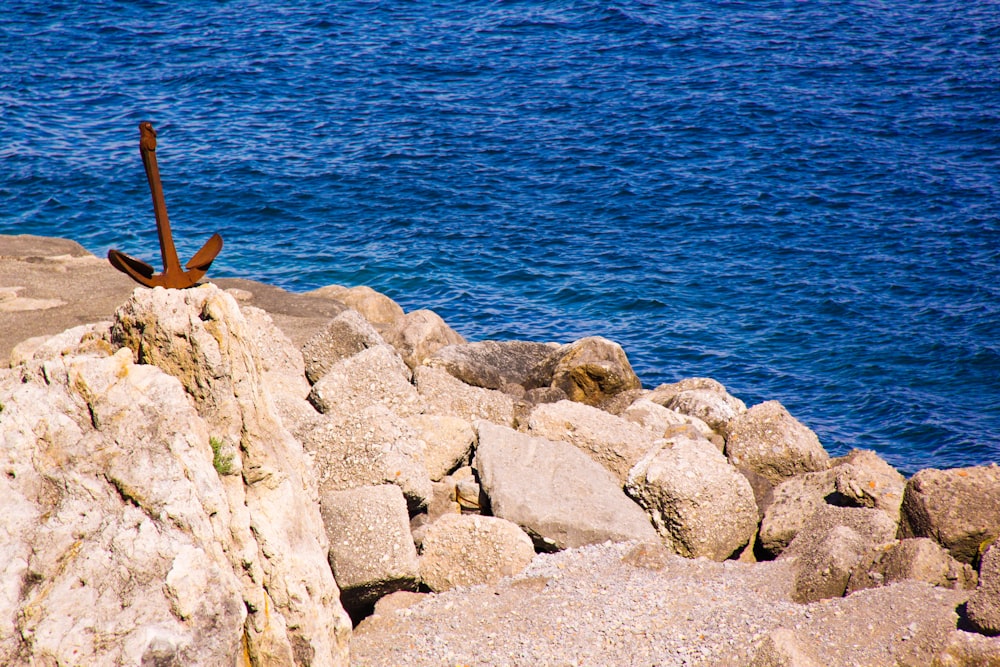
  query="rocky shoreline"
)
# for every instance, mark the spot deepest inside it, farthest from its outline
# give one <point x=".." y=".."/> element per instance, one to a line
<point x="233" y="474"/>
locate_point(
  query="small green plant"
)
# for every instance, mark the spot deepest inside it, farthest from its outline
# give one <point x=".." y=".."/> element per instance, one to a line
<point x="223" y="463"/>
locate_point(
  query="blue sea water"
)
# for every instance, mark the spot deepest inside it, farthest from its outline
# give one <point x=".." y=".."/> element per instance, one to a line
<point x="799" y="199"/>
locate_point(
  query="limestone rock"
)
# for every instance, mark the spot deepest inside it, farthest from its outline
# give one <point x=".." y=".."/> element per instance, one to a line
<point x="591" y="370"/>
<point x="699" y="503"/>
<point x="375" y="376"/>
<point x="419" y="334"/>
<point x="370" y="447"/>
<point x="773" y="443"/>
<point x="463" y="550"/>
<point x="658" y="419"/>
<point x="376" y="307"/>
<point x="200" y="337"/>
<point x="863" y="479"/>
<point x="557" y="494"/>
<point x="783" y="648"/>
<point x="345" y="335"/>
<point x="968" y="649"/>
<point x="492" y="364"/>
<point x="793" y="502"/>
<point x="445" y="395"/>
<point x="612" y="441"/>
<point x="447" y="442"/>
<point x="831" y="545"/>
<point x="703" y="398"/>
<point x="983" y="608"/>
<point x="958" y="508"/>
<point x="919" y="559"/>
<point x="371" y="551"/>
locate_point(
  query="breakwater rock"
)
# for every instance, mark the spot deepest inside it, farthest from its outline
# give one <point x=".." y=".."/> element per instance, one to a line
<point x="193" y="479"/>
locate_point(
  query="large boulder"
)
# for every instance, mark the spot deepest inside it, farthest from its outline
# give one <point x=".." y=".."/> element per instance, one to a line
<point x="831" y="545"/>
<point x="658" y="419"/>
<point x="375" y="376"/>
<point x="121" y="521"/>
<point x="371" y="551"/>
<point x="699" y="503"/>
<point x="419" y="334"/>
<point x="983" y="608"/>
<point x="555" y="492"/>
<point x="958" y="508"/>
<point x="345" y="335"/>
<point x="492" y="364"/>
<point x="863" y="479"/>
<point x="376" y="307"/>
<point x="446" y="441"/>
<point x="703" y="398"/>
<point x="592" y="370"/>
<point x="918" y="559"/>
<point x="772" y="443"/>
<point x="612" y="441"/>
<point x="465" y="550"/>
<point x="444" y="394"/>
<point x="371" y="447"/>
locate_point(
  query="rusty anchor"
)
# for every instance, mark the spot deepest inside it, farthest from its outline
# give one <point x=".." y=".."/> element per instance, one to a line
<point x="173" y="275"/>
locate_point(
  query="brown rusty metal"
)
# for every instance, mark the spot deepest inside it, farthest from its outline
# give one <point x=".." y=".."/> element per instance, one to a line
<point x="173" y="275"/>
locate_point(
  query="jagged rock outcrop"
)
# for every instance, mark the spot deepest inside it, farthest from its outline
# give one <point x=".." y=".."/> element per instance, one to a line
<point x="958" y="508"/>
<point x="555" y="492"/>
<point x="465" y="550"/>
<point x="371" y="550"/>
<point x="773" y="443"/>
<point x="699" y="503"/>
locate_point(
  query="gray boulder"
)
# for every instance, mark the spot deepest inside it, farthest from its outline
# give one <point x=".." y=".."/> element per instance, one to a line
<point x="831" y="545"/>
<point x="345" y="335"/>
<point x="375" y="376"/>
<point x="958" y="508"/>
<point x="555" y="492"/>
<point x="371" y="551"/>
<point x="612" y="441"/>
<point x="771" y="442"/>
<point x="703" y="398"/>
<point x="699" y="503"/>
<point x="465" y="550"/>
<point x="983" y="608"/>
<point x="492" y="364"/>
<point x="447" y="442"/>
<point x="591" y="370"/>
<point x="419" y="334"/>
<point x="919" y="559"/>
<point x="443" y="394"/>
<point x="371" y="447"/>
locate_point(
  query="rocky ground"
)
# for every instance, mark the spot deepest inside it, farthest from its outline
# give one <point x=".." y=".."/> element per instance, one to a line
<point x="212" y="476"/>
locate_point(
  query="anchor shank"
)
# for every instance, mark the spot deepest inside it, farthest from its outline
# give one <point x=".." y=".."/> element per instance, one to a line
<point x="147" y="149"/>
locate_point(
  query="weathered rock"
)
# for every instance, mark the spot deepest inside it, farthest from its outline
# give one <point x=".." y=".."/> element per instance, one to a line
<point x="200" y="337"/>
<point x="783" y="648"/>
<point x="699" y="504"/>
<point x="983" y="608"/>
<point x="371" y="447"/>
<point x="958" y="508"/>
<point x="345" y="335"/>
<point x="492" y="364"/>
<point x="591" y="370"/>
<point x="968" y="649"/>
<point x="863" y="479"/>
<point x="376" y="307"/>
<point x="918" y="559"/>
<point x="703" y="398"/>
<point x="461" y="550"/>
<point x="419" y="334"/>
<point x="555" y="492"/>
<point x="773" y="443"/>
<point x="375" y="376"/>
<point x="793" y="502"/>
<point x="371" y="551"/>
<point x="658" y="419"/>
<point x="445" y="395"/>
<point x="612" y="441"/>
<point x="447" y="442"/>
<point x="831" y="545"/>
